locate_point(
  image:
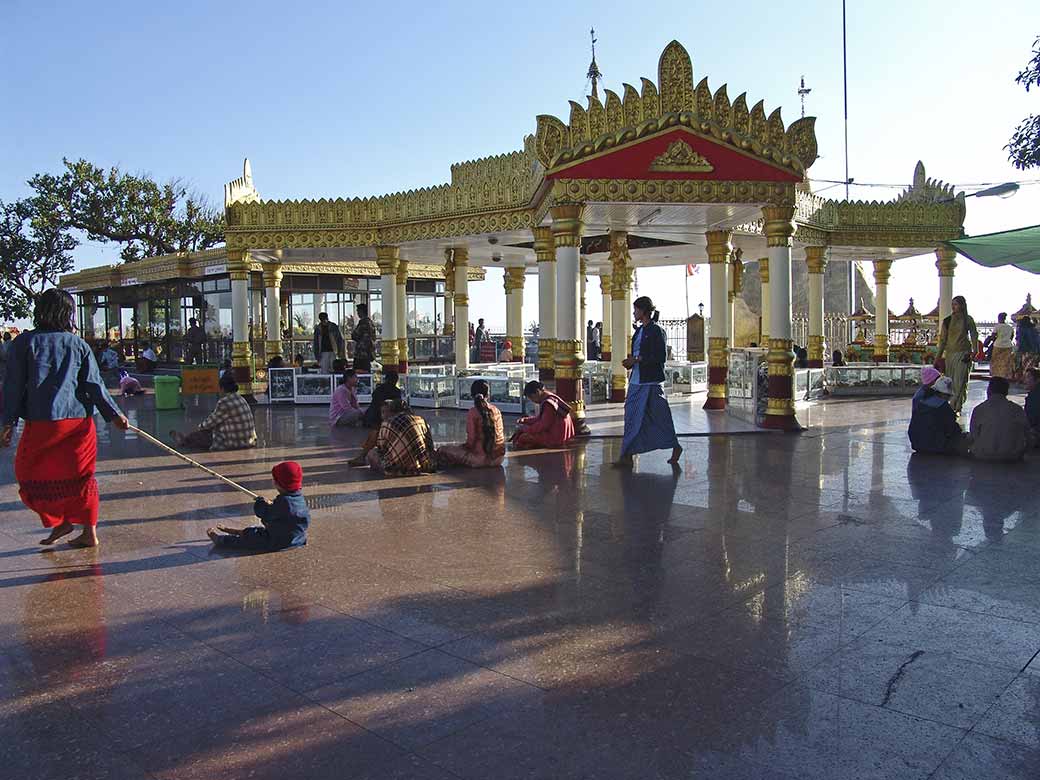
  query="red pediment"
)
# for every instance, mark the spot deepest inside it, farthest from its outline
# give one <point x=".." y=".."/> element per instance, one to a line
<point x="674" y="154"/>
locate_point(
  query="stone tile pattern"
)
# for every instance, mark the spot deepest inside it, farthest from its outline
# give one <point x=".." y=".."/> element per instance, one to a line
<point x="814" y="606"/>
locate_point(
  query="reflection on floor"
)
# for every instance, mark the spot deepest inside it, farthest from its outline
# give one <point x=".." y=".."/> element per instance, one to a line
<point x="814" y="606"/>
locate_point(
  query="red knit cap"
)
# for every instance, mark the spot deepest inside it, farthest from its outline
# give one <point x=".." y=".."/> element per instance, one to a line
<point x="288" y="475"/>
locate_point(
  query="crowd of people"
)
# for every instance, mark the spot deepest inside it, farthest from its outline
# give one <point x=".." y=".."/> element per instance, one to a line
<point x="56" y="383"/>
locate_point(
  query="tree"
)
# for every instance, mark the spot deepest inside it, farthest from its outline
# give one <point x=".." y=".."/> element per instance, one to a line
<point x="146" y="217"/>
<point x="1024" y="146"/>
<point x="35" y="249"/>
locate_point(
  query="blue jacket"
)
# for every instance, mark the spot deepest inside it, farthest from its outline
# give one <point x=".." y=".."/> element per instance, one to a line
<point x="652" y="352"/>
<point x="286" y="520"/>
<point x="933" y="424"/>
<point x="52" y="375"/>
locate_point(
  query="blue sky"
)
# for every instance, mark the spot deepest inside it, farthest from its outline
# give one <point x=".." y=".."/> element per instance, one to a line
<point x="346" y="99"/>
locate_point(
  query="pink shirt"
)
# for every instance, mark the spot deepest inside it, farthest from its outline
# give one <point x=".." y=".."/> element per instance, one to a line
<point x="343" y="400"/>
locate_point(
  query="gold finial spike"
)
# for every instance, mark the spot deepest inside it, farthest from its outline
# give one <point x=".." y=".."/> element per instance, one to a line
<point x="594" y="74"/>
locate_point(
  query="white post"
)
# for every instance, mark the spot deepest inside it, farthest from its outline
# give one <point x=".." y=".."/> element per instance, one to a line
<point x="545" y="252"/>
<point x="402" y="315"/>
<point x="272" y="291"/>
<point x="583" y="329"/>
<point x="946" y="262"/>
<point x="719" y="248"/>
<point x="514" y="287"/>
<point x="606" y="337"/>
<point x="763" y="275"/>
<point x="387" y="257"/>
<point x="882" y="270"/>
<point x="461" y="308"/>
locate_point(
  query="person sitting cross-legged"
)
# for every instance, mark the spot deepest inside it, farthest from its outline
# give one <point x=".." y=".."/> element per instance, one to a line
<point x="387" y="390"/>
<point x="999" y="428"/>
<point x="230" y="426"/>
<point x="404" y="446"/>
<point x="933" y="424"/>
<point x="344" y="408"/>
<point x="485" y="445"/>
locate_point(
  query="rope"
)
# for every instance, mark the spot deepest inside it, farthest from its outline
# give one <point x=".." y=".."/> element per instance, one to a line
<point x="186" y="459"/>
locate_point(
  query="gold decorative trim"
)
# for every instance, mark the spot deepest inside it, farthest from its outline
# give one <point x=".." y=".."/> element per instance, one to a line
<point x="544" y="248"/>
<point x="779" y="225"/>
<point x="816" y="259"/>
<point x="814" y="348"/>
<point x="461" y="299"/>
<point x="620" y="265"/>
<point x="763" y="270"/>
<point x="946" y="260"/>
<point x="272" y="275"/>
<point x="780" y="361"/>
<point x="672" y="191"/>
<point x="514" y="279"/>
<point x="719" y="245"/>
<point x="567" y="224"/>
<point x="680" y="157"/>
<point x="882" y="271"/>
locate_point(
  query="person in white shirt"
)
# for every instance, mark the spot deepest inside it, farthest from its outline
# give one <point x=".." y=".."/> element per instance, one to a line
<point x="147" y="360"/>
<point x="1002" y="362"/>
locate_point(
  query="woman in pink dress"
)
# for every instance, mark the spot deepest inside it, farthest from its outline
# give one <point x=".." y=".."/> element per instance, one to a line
<point x="485" y="445"/>
<point x="553" y="427"/>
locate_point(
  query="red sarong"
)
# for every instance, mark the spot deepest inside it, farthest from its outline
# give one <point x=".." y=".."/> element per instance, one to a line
<point x="55" y="471"/>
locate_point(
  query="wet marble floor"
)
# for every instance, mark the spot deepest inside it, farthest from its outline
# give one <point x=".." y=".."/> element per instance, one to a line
<point x="820" y="605"/>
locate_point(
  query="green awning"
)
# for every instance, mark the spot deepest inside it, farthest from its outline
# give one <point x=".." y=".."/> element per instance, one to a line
<point x="1020" y="248"/>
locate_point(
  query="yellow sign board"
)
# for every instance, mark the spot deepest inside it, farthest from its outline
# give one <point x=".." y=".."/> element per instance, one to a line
<point x="200" y="380"/>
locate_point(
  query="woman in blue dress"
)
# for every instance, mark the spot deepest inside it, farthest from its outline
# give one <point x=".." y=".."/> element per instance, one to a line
<point x="648" y="419"/>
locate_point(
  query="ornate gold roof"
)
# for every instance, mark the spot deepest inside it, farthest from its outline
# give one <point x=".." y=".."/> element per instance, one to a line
<point x="675" y="102"/>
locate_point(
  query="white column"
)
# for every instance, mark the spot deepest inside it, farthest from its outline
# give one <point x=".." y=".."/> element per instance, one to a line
<point x="731" y="295"/>
<point x="763" y="275"/>
<point x="402" y="314"/>
<point x="241" y="354"/>
<point x="607" y="337"/>
<point x="946" y="262"/>
<point x="582" y="317"/>
<point x="545" y="252"/>
<point x="816" y="264"/>
<point x="566" y="229"/>
<point x="620" y="313"/>
<point x="387" y="257"/>
<point x="514" y="287"/>
<point x="779" y="229"/>
<point x="461" y="308"/>
<point x="882" y="270"/>
<point x="449" y="294"/>
<point x="273" y="302"/>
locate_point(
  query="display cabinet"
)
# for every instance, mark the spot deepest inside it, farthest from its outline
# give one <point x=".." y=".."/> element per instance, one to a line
<point x="507" y="393"/>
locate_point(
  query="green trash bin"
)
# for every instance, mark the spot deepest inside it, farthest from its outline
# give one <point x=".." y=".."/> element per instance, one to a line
<point x="167" y="392"/>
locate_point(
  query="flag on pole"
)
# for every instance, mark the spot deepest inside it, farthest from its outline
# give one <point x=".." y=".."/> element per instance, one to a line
<point x="691" y="269"/>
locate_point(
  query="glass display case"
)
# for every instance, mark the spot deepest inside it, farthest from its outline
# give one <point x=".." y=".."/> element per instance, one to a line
<point x="430" y="390"/>
<point x="892" y="380"/>
<point x="506" y="392"/>
<point x="698" y="377"/>
<point x="422" y="349"/>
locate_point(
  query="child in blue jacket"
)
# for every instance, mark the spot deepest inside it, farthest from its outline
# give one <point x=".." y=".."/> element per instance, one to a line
<point x="284" y="522"/>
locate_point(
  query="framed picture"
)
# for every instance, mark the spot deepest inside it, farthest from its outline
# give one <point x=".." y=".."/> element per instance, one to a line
<point x="281" y="385"/>
<point x="314" y="388"/>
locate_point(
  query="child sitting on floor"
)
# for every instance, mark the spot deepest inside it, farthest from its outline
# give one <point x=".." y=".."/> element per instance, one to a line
<point x="128" y="385"/>
<point x="284" y="522"/>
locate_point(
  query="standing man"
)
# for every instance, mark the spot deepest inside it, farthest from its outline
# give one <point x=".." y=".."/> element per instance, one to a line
<point x="194" y="340"/>
<point x="480" y="337"/>
<point x="590" y="335"/>
<point x="328" y="342"/>
<point x="957" y="339"/>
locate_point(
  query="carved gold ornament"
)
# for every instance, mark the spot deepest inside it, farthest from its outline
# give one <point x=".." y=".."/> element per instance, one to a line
<point x="680" y="157"/>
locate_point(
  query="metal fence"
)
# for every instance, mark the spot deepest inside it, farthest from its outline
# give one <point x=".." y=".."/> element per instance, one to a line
<point x="835" y="331"/>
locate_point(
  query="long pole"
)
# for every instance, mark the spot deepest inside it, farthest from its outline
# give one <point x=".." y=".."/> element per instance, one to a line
<point x="186" y="459"/>
<point x="851" y="281"/>
<point x="686" y="286"/>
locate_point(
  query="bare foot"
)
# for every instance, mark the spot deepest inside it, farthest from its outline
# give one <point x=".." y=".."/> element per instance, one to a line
<point x="676" y="452"/>
<point x="86" y="539"/>
<point x="213" y="534"/>
<point x="59" y="531"/>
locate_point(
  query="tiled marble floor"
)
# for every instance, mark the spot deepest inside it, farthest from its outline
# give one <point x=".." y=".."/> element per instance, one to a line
<point x="813" y="606"/>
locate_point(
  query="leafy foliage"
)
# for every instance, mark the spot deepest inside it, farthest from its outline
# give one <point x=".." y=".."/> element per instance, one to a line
<point x="1024" y="146"/>
<point x="147" y="218"/>
<point x="35" y="249"/>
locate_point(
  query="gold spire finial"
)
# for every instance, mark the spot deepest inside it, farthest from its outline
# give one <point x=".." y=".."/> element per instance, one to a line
<point x="594" y="74"/>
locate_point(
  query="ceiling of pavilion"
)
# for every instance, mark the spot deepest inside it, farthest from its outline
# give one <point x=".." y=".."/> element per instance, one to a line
<point x="667" y="162"/>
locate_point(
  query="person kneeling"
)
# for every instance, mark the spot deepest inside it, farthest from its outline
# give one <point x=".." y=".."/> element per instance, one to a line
<point x="284" y="522"/>
<point x="404" y="445"/>
<point x="552" y="427"/>
<point x="933" y="423"/>
<point x="128" y="385"/>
